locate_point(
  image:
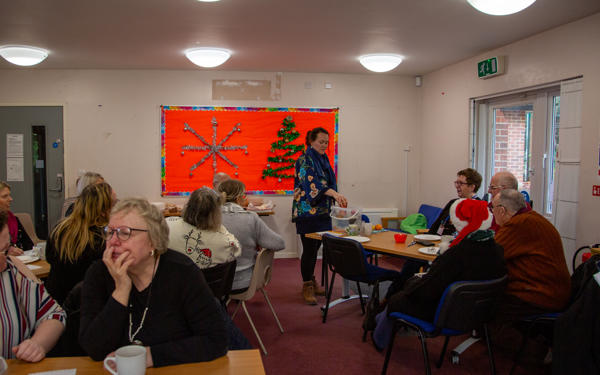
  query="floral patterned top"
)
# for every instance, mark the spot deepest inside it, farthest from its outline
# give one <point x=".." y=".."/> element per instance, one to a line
<point x="313" y="176"/>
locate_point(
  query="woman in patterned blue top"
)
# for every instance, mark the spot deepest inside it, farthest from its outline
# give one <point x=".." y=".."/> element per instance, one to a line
<point x="315" y="189"/>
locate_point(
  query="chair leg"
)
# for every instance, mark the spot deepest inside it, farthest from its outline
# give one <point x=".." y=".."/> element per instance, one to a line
<point x="388" y="353"/>
<point x="328" y="297"/>
<point x="441" y="360"/>
<point x="254" y="328"/>
<point x="362" y="302"/>
<point x="237" y="306"/>
<point x="425" y="352"/>
<point x="488" y="341"/>
<point x="264" y="292"/>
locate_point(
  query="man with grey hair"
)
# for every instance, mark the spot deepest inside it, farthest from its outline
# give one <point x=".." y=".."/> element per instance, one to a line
<point x="218" y="178"/>
<point x="500" y="181"/>
<point x="538" y="278"/>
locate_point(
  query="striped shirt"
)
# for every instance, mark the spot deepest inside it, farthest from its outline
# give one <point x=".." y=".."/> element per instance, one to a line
<point x="24" y="305"/>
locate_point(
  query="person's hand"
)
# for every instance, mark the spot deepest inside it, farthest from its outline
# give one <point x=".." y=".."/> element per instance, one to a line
<point x="14" y="251"/>
<point x="29" y="350"/>
<point x="149" y="360"/>
<point x="341" y="200"/>
<point x="118" y="271"/>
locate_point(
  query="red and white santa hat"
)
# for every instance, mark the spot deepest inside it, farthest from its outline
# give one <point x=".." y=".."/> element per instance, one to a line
<point x="469" y="215"/>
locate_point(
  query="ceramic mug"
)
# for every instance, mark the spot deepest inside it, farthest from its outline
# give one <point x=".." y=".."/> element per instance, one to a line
<point x="3" y="365"/>
<point x="129" y="360"/>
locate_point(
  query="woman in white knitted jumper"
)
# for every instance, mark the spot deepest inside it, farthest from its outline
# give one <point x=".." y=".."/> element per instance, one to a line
<point x="200" y="234"/>
<point x="248" y="228"/>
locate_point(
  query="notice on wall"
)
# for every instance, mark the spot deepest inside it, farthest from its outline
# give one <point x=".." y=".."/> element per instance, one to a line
<point x="14" y="145"/>
<point x="14" y="169"/>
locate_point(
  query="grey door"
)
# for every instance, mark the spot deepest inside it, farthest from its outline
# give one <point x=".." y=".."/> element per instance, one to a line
<point x="41" y="190"/>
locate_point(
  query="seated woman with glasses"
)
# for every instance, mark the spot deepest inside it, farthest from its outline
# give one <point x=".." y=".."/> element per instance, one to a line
<point x="467" y="183"/>
<point x="31" y="321"/>
<point x="248" y="228"/>
<point x="78" y="240"/>
<point x="200" y="234"/>
<point x="144" y="294"/>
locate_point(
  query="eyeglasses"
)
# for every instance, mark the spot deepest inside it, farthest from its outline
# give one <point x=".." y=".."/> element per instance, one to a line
<point x="460" y="183"/>
<point x="123" y="233"/>
<point x="495" y="187"/>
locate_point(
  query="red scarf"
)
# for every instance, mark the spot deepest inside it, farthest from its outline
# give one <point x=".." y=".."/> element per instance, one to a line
<point x="13" y="227"/>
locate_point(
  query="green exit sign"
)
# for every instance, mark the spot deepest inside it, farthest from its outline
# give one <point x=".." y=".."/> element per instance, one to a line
<point x="490" y="67"/>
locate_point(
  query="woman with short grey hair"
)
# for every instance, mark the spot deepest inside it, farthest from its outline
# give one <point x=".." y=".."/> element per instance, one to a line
<point x="200" y="234"/>
<point x="144" y="294"/>
<point x="248" y="228"/>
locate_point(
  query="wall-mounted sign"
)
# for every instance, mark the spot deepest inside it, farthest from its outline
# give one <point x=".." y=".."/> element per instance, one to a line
<point x="490" y="67"/>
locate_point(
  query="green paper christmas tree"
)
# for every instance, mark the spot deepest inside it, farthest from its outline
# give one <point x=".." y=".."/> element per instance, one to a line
<point x="284" y="151"/>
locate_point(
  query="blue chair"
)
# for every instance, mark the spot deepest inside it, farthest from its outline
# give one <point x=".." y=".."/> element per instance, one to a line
<point x="464" y="306"/>
<point x="431" y="213"/>
<point x="531" y="326"/>
<point x="348" y="258"/>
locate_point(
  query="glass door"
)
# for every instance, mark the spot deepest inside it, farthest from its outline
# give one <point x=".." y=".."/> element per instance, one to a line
<point x="519" y="133"/>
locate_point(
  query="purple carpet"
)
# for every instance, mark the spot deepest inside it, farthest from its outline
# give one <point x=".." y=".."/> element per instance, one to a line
<point x="310" y="347"/>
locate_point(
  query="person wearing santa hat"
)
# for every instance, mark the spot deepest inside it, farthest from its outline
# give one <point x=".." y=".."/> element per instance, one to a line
<point x="473" y="255"/>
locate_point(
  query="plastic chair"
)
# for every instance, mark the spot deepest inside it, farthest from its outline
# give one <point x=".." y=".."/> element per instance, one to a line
<point x="27" y="223"/>
<point x="348" y="259"/>
<point x="431" y="213"/>
<point x="260" y="278"/>
<point x="464" y="306"/>
<point x="220" y="279"/>
<point x="545" y="326"/>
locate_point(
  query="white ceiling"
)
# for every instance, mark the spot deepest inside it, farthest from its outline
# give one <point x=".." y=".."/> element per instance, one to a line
<point x="270" y="35"/>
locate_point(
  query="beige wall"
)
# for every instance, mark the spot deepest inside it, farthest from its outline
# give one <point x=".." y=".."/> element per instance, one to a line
<point x="111" y="125"/>
<point x="561" y="53"/>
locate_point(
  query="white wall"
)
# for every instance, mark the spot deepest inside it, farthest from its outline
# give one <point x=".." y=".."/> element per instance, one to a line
<point x="111" y="125"/>
<point x="564" y="52"/>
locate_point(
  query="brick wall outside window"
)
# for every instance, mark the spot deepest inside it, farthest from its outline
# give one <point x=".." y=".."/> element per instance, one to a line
<point x="510" y="146"/>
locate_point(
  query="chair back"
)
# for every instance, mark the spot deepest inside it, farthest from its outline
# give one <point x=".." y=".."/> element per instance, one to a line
<point x="220" y="278"/>
<point x="431" y="213"/>
<point x="27" y="223"/>
<point x="344" y="256"/>
<point x="467" y="305"/>
<point x="261" y="275"/>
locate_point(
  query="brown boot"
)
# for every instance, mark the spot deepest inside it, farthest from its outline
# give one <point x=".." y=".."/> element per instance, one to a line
<point x="308" y="292"/>
<point x="318" y="290"/>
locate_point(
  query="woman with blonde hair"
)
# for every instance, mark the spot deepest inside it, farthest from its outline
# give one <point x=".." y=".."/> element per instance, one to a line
<point x="248" y="228"/>
<point x="200" y="234"/>
<point x="77" y="241"/>
<point x="19" y="239"/>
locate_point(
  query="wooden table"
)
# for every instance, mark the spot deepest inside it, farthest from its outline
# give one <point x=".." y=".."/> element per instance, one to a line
<point x="42" y="272"/>
<point x="235" y="362"/>
<point x="384" y="243"/>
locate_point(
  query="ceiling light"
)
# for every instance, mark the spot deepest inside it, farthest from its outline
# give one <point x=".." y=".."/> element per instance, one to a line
<point x="23" y="55"/>
<point x="208" y="1"/>
<point x="207" y="57"/>
<point x="500" y="7"/>
<point x="380" y="62"/>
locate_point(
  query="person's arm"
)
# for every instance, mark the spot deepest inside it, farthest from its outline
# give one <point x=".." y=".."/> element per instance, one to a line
<point x="266" y="237"/>
<point x="104" y="321"/>
<point x="43" y="340"/>
<point x="311" y="183"/>
<point x="234" y="244"/>
<point x="209" y="338"/>
<point x="443" y="217"/>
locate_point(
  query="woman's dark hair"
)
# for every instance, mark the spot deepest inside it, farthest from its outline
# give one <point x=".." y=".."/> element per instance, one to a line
<point x="311" y="135"/>
<point x="472" y="176"/>
<point x="203" y="209"/>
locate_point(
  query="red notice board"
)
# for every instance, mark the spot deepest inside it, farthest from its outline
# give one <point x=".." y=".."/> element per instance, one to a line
<point x="197" y="142"/>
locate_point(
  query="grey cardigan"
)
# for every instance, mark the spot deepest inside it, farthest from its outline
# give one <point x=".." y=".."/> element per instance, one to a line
<point x="252" y="233"/>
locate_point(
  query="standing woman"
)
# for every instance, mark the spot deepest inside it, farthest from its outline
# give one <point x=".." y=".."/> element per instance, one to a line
<point x="19" y="239"/>
<point x="78" y="240"/>
<point x="315" y="189"/>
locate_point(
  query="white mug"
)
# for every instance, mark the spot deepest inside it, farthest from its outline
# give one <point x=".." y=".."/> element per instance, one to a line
<point x="3" y="365"/>
<point x="130" y="360"/>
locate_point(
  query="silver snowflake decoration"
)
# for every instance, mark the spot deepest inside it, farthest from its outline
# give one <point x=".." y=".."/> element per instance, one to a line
<point x="214" y="149"/>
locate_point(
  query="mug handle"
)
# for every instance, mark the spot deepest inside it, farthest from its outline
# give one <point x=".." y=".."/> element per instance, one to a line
<point x="106" y="366"/>
<point x="3" y="365"/>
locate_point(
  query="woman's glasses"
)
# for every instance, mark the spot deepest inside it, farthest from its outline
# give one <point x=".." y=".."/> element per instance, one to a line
<point x="123" y="233"/>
